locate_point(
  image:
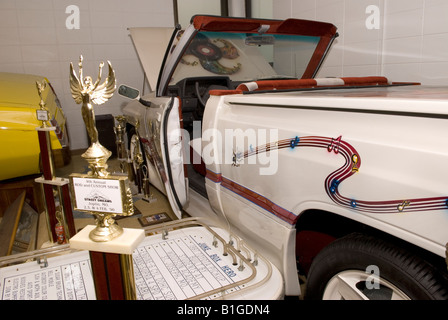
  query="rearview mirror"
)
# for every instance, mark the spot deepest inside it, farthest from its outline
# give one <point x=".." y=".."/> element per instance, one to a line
<point x="262" y="40"/>
<point x="129" y="92"/>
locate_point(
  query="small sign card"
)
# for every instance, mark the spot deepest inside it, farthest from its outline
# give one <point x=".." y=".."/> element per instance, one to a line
<point x="98" y="194"/>
<point x="42" y="115"/>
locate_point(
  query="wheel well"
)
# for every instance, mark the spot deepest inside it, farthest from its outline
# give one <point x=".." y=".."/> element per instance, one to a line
<point x="316" y="229"/>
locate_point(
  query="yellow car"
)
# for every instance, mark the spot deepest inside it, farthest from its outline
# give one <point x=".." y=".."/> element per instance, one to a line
<point x="19" y="145"/>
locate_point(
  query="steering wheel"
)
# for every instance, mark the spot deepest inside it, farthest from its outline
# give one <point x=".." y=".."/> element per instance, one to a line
<point x="201" y="99"/>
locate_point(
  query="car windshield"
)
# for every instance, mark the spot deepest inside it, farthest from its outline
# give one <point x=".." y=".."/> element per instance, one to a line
<point x="245" y="56"/>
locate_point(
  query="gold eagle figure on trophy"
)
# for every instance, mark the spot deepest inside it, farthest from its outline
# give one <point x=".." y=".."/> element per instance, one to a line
<point x="85" y="91"/>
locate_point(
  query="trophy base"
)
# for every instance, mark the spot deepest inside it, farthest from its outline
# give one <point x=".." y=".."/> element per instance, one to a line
<point x="125" y="244"/>
<point x="104" y="234"/>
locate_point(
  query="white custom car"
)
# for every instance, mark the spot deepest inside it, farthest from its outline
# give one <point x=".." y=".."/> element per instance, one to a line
<point x="341" y="180"/>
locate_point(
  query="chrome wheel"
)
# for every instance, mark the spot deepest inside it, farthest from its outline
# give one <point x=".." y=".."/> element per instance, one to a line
<point x="359" y="285"/>
<point x="363" y="267"/>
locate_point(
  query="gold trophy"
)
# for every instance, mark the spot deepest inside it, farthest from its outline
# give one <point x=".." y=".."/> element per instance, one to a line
<point x="85" y="91"/>
<point x="42" y="113"/>
<point x="98" y="192"/>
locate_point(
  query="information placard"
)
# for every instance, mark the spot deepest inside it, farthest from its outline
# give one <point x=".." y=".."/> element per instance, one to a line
<point x="42" y="115"/>
<point x="184" y="265"/>
<point x="65" y="278"/>
<point x="98" y="195"/>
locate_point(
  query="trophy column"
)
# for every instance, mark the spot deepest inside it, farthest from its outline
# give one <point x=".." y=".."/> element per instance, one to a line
<point x="60" y="223"/>
<point x="105" y="196"/>
<point x="112" y="265"/>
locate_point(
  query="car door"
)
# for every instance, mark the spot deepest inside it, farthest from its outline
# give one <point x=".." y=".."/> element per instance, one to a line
<point x="159" y="125"/>
<point x="160" y="136"/>
<point x="173" y="156"/>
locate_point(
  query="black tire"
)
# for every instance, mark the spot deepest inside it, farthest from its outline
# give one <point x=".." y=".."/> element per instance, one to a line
<point x="415" y="277"/>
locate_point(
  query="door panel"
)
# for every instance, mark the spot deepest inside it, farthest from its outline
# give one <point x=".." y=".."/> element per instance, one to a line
<point x="161" y="137"/>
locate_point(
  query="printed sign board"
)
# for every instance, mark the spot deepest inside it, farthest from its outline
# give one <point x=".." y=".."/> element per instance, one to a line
<point x="104" y="195"/>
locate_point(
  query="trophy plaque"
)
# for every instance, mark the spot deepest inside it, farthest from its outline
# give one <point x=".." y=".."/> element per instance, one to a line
<point x="98" y="192"/>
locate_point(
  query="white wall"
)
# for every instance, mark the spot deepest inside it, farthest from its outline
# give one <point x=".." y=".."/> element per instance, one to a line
<point x="34" y="39"/>
<point x="410" y="44"/>
<point x="187" y="9"/>
<point x="263" y="8"/>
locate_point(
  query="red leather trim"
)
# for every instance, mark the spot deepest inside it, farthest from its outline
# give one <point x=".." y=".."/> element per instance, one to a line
<point x="354" y="81"/>
<point x="281" y="84"/>
<point x="267" y="85"/>
<point x="224" y="92"/>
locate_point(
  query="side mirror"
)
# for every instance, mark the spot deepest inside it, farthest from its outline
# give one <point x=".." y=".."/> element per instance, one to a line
<point x="133" y="94"/>
<point x="129" y="92"/>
